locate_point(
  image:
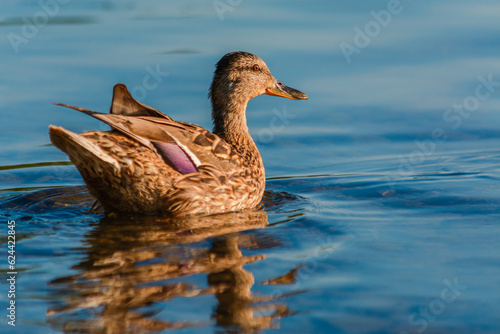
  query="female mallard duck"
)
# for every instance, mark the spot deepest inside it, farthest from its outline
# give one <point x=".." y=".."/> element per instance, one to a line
<point x="150" y="163"/>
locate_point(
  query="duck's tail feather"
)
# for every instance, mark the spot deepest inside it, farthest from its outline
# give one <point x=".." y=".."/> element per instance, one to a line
<point x="83" y="110"/>
<point x="124" y="104"/>
<point x="80" y="149"/>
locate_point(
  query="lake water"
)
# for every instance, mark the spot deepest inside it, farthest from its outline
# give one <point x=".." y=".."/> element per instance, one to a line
<point x="382" y="210"/>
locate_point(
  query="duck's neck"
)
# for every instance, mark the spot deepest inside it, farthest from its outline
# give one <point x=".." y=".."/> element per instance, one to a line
<point x="231" y="125"/>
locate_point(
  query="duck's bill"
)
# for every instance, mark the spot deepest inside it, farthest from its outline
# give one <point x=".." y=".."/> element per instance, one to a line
<point x="279" y="89"/>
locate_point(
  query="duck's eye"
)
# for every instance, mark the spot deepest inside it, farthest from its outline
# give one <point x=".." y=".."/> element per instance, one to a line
<point x="256" y="67"/>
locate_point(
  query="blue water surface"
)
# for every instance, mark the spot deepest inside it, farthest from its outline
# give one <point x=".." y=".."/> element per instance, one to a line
<point x="382" y="209"/>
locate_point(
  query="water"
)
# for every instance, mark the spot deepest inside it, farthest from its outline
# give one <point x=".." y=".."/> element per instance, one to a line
<point x="382" y="206"/>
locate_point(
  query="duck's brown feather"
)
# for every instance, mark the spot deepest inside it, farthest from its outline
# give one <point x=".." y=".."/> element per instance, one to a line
<point x="150" y="163"/>
<point x="126" y="172"/>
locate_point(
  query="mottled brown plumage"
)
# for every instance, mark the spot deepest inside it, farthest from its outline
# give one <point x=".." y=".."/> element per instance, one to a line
<point x="152" y="164"/>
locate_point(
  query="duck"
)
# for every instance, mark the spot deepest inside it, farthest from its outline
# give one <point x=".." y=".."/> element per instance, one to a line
<point x="149" y="163"/>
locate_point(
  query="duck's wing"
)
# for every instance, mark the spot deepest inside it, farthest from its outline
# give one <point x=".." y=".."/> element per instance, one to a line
<point x="184" y="146"/>
<point x="124" y="104"/>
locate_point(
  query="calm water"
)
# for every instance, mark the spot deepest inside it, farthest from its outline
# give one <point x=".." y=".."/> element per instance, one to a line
<point x="382" y="211"/>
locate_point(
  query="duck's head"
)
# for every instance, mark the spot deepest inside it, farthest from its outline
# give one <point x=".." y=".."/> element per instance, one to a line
<point x="240" y="76"/>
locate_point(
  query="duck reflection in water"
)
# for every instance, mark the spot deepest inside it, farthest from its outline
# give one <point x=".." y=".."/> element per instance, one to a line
<point x="130" y="264"/>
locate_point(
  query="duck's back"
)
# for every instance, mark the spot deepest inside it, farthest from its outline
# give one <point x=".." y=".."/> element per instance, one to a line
<point x="152" y="164"/>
